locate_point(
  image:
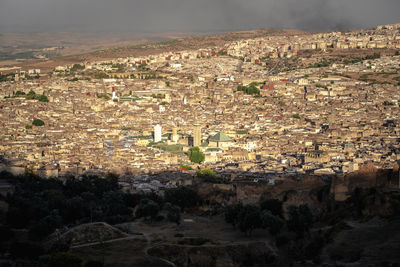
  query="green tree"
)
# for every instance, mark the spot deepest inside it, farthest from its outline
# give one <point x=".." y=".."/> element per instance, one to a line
<point x="300" y="218"/>
<point x="43" y="98"/>
<point x="252" y="89"/>
<point x="195" y="155"/>
<point x="273" y="223"/>
<point x="388" y="103"/>
<point x="114" y="206"/>
<point x="38" y="122"/>
<point x="31" y="95"/>
<point x="183" y="196"/>
<point x="250" y="218"/>
<point x="272" y="205"/>
<point x="232" y="213"/>
<point x="173" y="213"/>
<point x="45" y="226"/>
<point x="147" y="208"/>
<point x="19" y="93"/>
<point x="75" y="209"/>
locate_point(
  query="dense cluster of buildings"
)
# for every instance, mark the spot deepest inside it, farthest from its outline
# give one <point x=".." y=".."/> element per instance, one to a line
<point x="146" y="113"/>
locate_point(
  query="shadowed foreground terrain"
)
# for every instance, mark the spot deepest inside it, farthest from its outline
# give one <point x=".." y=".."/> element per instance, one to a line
<point x="90" y="221"/>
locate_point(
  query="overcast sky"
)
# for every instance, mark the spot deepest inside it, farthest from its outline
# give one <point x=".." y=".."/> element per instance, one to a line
<point x="193" y="15"/>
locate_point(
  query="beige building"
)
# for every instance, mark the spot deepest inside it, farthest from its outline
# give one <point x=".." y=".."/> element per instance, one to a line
<point x="197" y="135"/>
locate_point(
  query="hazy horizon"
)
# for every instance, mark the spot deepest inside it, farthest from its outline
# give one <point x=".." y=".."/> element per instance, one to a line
<point x="152" y="16"/>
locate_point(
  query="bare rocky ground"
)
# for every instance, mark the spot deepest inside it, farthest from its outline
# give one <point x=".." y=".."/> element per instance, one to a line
<point x="198" y="241"/>
<point x="209" y="241"/>
<point x="361" y="231"/>
<point x="371" y="243"/>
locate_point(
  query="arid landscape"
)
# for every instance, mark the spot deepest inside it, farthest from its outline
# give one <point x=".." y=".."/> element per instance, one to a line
<point x="75" y="48"/>
<point x="199" y="133"/>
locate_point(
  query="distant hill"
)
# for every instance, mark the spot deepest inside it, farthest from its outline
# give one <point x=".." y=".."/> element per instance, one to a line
<point x="69" y="48"/>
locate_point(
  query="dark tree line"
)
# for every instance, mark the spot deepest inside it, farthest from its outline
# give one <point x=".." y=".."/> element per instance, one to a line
<point x="269" y="215"/>
<point x="43" y="205"/>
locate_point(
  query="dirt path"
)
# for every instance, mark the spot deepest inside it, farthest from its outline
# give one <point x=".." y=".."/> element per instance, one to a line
<point x="154" y="259"/>
<point x="104" y="242"/>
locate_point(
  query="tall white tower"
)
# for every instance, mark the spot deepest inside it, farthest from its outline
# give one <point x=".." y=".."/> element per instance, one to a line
<point x="114" y="94"/>
<point x="157" y="133"/>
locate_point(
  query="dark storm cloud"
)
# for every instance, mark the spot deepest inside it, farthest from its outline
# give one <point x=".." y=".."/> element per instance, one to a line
<point x="193" y="15"/>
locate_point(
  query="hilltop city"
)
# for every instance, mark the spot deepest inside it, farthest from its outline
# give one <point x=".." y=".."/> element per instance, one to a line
<point x="276" y="104"/>
<point x="256" y="148"/>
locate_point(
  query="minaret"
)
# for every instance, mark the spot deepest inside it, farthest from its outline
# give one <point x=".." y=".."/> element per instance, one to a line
<point x="197" y="135"/>
<point x="175" y="136"/>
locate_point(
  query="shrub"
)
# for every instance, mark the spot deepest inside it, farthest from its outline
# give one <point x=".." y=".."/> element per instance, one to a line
<point x="273" y="223"/>
<point x="18" y="93"/>
<point x="183" y="196"/>
<point x="105" y="96"/>
<point x="300" y="218"/>
<point x="43" y="98"/>
<point x="249" y="218"/>
<point x="196" y="155"/>
<point x="45" y="226"/>
<point x="38" y="122"/>
<point x="147" y="208"/>
<point x="186" y="167"/>
<point x="283" y="239"/>
<point x="208" y="176"/>
<point x="296" y="116"/>
<point x="272" y="205"/>
<point x="31" y="95"/>
<point x="232" y="213"/>
<point x="249" y="90"/>
<point x="174" y="214"/>
<point x="388" y="103"/>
